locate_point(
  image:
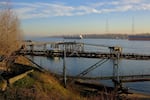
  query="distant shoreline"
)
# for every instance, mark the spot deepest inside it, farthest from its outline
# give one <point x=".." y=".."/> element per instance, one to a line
<point x="102" y="36"/>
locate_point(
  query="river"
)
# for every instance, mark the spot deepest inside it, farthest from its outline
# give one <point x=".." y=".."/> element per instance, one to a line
<point x="126" y="67"/>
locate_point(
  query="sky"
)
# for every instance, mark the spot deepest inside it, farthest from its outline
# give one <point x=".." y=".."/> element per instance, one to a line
<point x="60" y="17"/>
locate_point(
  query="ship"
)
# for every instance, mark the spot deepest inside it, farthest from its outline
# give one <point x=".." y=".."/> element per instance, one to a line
<point x="73" y="37"/>
<point x="139" y="37"/>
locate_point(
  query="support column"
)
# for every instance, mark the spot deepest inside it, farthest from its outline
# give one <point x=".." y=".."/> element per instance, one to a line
<point x="116" y="78"/>
<point x="31" y="48"/>
<point x="44" y="47"/>
<point x="116" y="51"/>
<point x="64" y="68"/>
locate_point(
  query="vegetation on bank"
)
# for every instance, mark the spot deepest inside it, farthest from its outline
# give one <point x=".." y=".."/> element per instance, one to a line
<point x="38" y="86"/>
<point x="44" y="86"/>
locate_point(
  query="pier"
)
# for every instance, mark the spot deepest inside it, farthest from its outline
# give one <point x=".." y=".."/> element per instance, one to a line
<point x="101" y="55"/>
<point x="86" y="50"/>
<point x="75" y="49"/>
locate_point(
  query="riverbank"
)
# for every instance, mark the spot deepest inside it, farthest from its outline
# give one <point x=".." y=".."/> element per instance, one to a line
<point x="139" y="96"/>
<point x="39" y="85"/>
<point x="98" y="90"/>
<point x="36" y="85"/>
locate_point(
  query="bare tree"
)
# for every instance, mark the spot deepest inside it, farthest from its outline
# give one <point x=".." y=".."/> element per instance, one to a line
<point x="9" y="30"/>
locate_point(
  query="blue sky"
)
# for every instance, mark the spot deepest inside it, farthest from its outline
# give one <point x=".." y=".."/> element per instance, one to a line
<point x="58" y="17"/>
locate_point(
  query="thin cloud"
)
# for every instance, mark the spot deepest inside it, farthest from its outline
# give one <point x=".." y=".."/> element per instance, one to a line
<point x="45" y="10"/>
<point x="132" y="1"/>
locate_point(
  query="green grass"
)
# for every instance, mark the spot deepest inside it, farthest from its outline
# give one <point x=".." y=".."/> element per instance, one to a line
<point x="25" y="82"/>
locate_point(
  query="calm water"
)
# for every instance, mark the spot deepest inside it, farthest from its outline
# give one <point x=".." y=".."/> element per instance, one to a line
<point x="126" y="67"/>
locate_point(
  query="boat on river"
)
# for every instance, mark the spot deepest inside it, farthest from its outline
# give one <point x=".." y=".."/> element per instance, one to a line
<point x="139" y="37"/>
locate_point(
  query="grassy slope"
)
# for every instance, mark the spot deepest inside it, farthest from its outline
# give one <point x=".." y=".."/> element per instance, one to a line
<point x="37" y="86"/>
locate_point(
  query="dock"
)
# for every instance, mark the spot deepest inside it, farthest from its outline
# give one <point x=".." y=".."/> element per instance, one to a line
<point x="77" y="49"/>
<point x="86" y="50"/>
